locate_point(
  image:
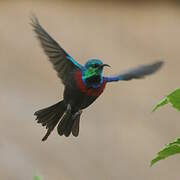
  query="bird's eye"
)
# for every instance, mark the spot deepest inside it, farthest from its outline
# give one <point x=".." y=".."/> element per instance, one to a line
<point x="95" y="65"/>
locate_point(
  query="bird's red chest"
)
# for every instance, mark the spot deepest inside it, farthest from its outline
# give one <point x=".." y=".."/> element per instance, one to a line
<point x="88" y="91"/>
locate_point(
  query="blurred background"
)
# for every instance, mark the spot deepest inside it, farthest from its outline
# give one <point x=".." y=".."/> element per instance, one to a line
<point x="118" y="133"/>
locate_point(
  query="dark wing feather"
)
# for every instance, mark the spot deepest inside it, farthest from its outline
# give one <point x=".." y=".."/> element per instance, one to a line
<point x="62" y="62"/>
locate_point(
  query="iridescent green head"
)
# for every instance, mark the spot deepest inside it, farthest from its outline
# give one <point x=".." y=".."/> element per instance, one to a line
<point x="92" y="75"/>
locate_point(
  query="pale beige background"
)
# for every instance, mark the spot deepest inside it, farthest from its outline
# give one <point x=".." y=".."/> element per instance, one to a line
<point x="119" y="135"/>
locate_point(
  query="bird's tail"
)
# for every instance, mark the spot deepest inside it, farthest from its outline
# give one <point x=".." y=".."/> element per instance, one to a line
<point x="69" y="123"/>
<point x="50" y="116"/>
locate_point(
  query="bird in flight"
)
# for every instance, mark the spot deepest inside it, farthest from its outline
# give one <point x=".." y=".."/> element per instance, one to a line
<point x="83" y="84"/>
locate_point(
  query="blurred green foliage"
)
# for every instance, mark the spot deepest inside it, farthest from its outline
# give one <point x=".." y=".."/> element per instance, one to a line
<point x="37" y="178"/>
<point x="173" y="98"/>
<point x="169" y="150"/>
<point x="174" y="147"/>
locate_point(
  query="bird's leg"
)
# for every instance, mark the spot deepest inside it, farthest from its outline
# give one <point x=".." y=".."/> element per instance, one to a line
<point x="68" y="110"/>
<point x="77" y="114"/>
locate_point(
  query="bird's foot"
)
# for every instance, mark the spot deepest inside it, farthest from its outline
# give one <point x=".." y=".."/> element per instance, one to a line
<point x="77" y="114"/>
<point x="68" y="108"/>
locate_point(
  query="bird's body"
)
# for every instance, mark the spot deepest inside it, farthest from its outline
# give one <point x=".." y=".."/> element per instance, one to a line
<point x="83" y="85"/>
<point x="77" y="94"/>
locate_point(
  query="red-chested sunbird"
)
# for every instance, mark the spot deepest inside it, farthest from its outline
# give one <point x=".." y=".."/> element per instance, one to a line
<point x="83" y="84"/>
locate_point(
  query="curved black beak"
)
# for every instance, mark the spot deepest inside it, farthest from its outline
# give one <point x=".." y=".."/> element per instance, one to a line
<point x="103" y="65"/>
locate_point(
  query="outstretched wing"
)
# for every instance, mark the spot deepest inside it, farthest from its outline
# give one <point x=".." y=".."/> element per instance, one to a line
<point x="62" y="62"/>
<point x="136" y="73"/>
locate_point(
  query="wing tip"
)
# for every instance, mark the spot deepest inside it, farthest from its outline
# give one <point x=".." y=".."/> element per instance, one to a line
<point x="34" y="22"/>
<point x="33" y="17"/>
<point x="157" y="65"/>
<point x="160" y="62"/>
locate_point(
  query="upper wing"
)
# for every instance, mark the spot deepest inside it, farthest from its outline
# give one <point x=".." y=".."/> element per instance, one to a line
<point x="136" y="73"/>
<point x="62" y="62"/>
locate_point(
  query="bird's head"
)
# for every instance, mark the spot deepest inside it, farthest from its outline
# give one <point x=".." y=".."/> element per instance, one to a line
<point x="92" y="74"/>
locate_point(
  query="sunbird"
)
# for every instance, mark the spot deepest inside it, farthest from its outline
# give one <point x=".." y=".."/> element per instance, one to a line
<point x="83" y="84"/>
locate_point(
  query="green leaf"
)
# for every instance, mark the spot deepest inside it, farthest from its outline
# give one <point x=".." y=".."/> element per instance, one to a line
<point x="37" y="178"/>
<point x="169" y="150"/>
<point x="161" y="103"/>
<point x="173" y="98"/>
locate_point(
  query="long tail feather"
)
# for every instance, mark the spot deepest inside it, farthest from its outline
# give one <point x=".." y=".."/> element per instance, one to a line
<point x="62" y="126"/>
<point x="75" y="127"/>
<point x="69" y="123"/>
<point x="50" y="116"/>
